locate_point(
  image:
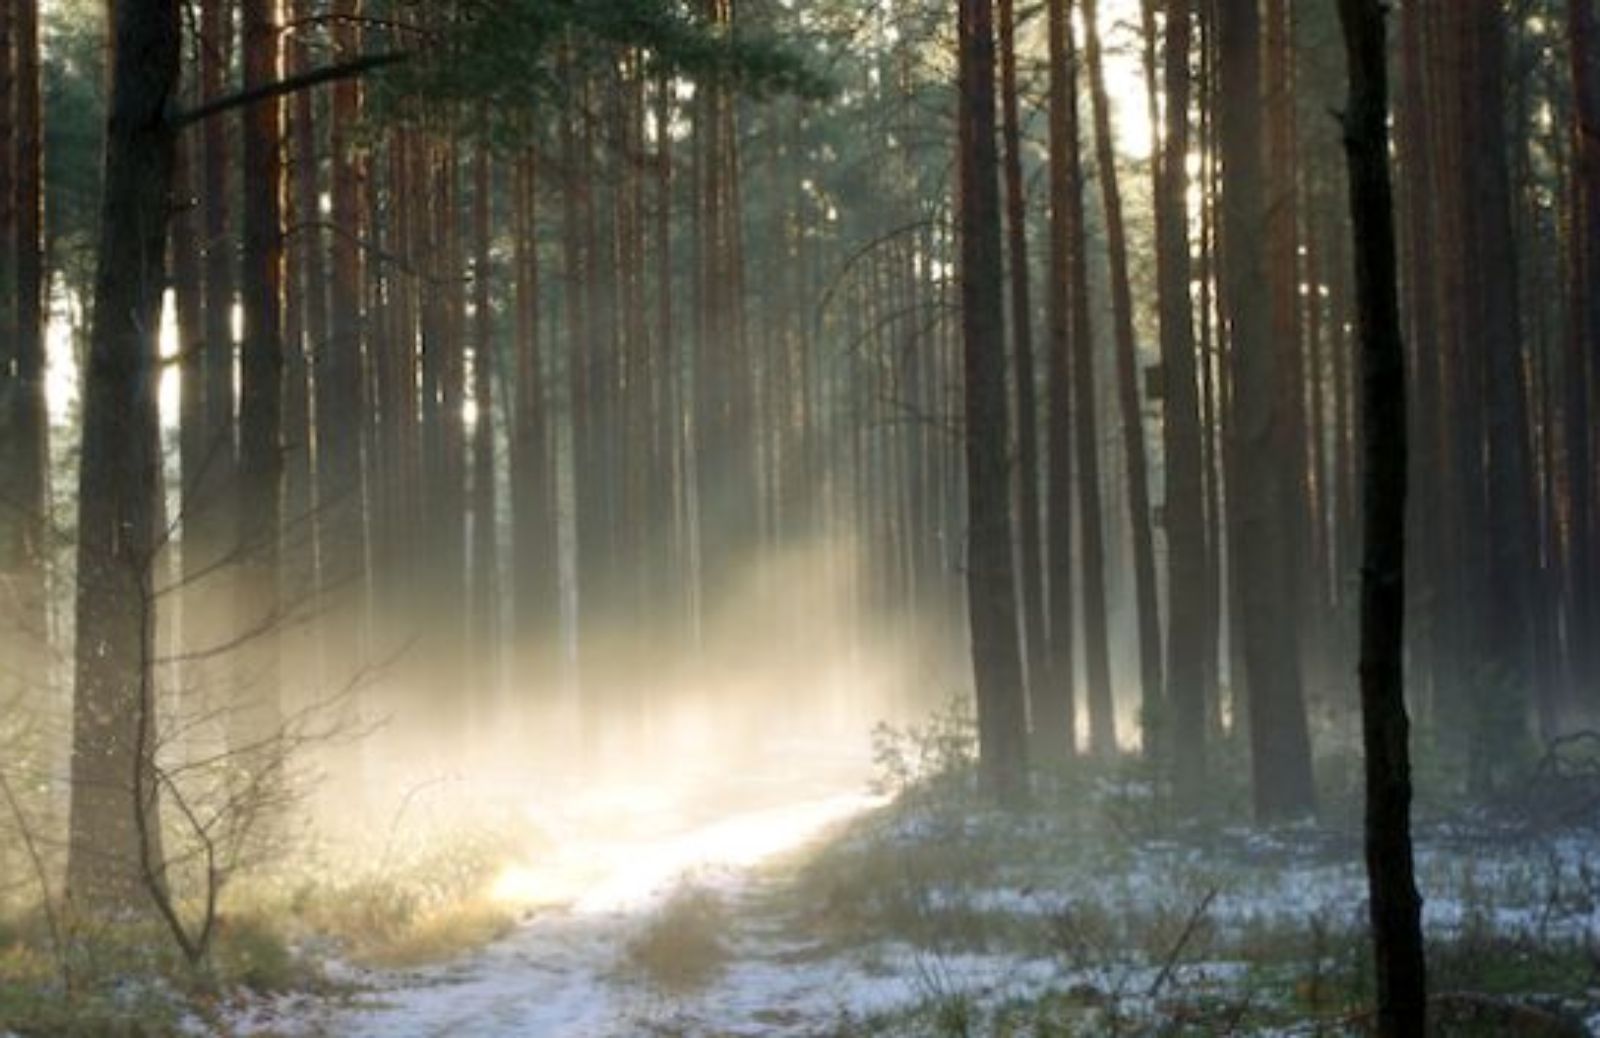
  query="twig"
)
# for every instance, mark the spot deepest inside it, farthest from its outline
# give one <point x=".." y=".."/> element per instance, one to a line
<point x="42" y="876"/>
<point x="1182" y="942"/>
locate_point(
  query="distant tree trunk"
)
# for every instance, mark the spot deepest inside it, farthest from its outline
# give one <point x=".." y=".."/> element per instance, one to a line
<point x="24" y="417"/>
<point x="1147" y="608"/>
<point x="1508" y="620"/>
<point x="485" y="357"/>
<point x="1086" y="436"/>
<point x="534" y="546"/>
<point x="113" y="741"/>
<point x="1061" y="678"/>
<point x="337" y="363"/>
<point x="1185" y="509"/>
<point x="1048" y="713"/>
<point x="1394" y="907"/>
<point x="31" y="301"/>
<point x="1279" y="739"/>
<point x="305" y="337"/>
<point x="991" y="582"/>
<point x="209" y="525"/>
<point x="1583" y="370"/>
<point x="1283" y="287"/>
<point x="256" y="709"/>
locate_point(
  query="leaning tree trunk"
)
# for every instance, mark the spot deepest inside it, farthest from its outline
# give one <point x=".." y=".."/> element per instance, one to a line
<point x="991" y="580"/>
<point x="1394" y="907"/>
<point x="115" y="837"/>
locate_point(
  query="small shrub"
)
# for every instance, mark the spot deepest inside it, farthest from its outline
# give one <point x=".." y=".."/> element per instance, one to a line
<point x="684" y="946"/>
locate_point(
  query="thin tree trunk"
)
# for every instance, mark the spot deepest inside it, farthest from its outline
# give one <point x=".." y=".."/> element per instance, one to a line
<point x="1086" y="436"/>
<point x="1394" y="906"/>
<point x="1185" y="509"/>
<point x="485" y="357"/>
<point x="256" y="708"/>
<point x="1146" y="605"/>
<point x="1060" y="676"/>
<point x="1047" y="712"/>
<point x="24" y="415"/>
<point x="1582" y="369"/>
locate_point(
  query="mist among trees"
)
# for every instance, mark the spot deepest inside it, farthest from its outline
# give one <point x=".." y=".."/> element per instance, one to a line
<point x="695" y="517"/>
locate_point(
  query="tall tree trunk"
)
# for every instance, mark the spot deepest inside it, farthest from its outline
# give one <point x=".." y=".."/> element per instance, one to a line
<point x="1147" y="608"/>
<point x="991" y="581"/>
<point x="114" y="831"/>
<point x="1394" y="906"/>
<point x="256" y="709"/>
<point x="1583" y="370"/>
<point x="1185" y="510"/>
<point x="337" y="363"/>
<point x="1279" y="739"/>
<point x="485" y="357"/>
<point x="1086" y="436"/>
<point x="1047" y="711"/>
<point x="534" y="545"/>
<point x="24" y="416"/>
<point x="1060" y="677"/>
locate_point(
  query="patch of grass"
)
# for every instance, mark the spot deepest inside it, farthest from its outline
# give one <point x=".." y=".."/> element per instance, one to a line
<point x="253" y="952"/>
<point x="428" y="907"/>
<point x="684" y="946"/>
<point x="437" y="935"/>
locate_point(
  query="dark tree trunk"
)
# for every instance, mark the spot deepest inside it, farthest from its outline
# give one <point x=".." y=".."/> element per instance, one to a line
<point x="1060" y="677"/>
<point x="337" y="364"/>
<point x="991" y="581"/>
<point x="24" y="417"/>
<point x="256" y="708"/>
<point x="1047" y="712"/>
<point x="1394" y="908"/>
<point x="1582" y="368"/>
<point x="1185" y="510"/>
<point x="112" y="791"/>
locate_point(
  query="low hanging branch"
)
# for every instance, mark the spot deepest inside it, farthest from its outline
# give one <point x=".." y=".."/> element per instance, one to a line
<point x="290" y="85"/>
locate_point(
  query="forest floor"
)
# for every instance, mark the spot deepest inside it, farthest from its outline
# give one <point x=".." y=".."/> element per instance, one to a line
<point x="852" y="915"/>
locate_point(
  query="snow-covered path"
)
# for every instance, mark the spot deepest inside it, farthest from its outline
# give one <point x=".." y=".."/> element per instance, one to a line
<point x="559" y="974"/>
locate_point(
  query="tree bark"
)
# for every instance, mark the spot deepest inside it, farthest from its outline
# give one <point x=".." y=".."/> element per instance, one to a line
<point x="120" y="476"/>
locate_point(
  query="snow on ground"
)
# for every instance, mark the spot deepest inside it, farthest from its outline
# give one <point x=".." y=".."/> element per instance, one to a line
<point x="564" y="972"/>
